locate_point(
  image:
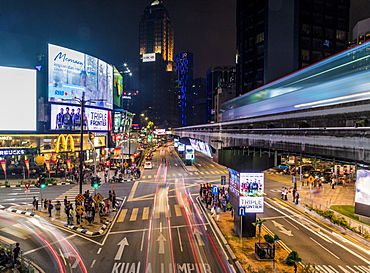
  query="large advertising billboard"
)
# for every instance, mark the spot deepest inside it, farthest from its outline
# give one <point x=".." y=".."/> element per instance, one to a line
<point x="68" y="118"/>
<point x="18" y="99"/>
<point x="362" y="196"/>
<point x="248" y="189"/>
<point x="72" y="73"/>
<point x="201" y="146"/>
<point x="117" y="87"/>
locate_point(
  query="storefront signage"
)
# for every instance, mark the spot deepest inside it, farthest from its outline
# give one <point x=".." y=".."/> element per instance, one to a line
<point x="12" y="152"/>
<point x="6" y="138"/>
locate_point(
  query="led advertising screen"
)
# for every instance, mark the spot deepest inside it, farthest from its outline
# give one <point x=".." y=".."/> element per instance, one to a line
<point x="72" y="73"/>
<point x="149" y="57"/>
<point x="248" y="189"/>
<point x="362" y="196"/>
<point x="201" y="146"/>
<point x="68" y="117"/>
<point x="18" y="99"/>
<point x="117" y="87"/>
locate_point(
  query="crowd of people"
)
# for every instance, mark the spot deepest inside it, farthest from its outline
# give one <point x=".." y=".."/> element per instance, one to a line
<point x="91" y="209"/>
<point x="215" y="202"/>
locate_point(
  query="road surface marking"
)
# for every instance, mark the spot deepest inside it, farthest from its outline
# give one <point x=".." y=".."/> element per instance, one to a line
<point x="325" y="248"/>
<point x="178" y="210"/>
<point x="179" y="235"/>
<point x="134" y="214"/>
<point x="145" y="213"/>
<point x="6" y="240"/>
<point x="122" y="216"/>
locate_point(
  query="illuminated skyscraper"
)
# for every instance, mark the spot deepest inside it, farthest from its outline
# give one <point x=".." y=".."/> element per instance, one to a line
<point x="275" y="38"/>
<point x="157" y="76"/>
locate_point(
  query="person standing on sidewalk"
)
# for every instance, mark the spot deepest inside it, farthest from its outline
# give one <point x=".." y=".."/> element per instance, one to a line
<point x="296" y="197"/>
<point x="35" y="204"/>
<point x="294" y="193"/>
<point x="50" y="207"/>
<point x="333" y="183"/>
<point x="15" y="254"/>
<point x="57" y="209"/>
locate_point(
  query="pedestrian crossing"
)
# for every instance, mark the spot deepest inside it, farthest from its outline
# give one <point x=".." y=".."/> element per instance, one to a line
<point x="192" y="174"/>
<point x="341" y="269"/>
<point x="134" y="214"/>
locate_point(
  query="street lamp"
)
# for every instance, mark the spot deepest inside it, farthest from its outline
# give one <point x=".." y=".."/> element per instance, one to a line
<point x="82" y="101"/>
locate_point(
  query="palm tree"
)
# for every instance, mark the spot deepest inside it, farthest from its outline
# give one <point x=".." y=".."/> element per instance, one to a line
<point x="258" y="224"/>
<point x="293" y="259"/>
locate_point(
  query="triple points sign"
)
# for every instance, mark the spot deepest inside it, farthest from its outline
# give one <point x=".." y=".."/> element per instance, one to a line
<point x="248" y="188"/>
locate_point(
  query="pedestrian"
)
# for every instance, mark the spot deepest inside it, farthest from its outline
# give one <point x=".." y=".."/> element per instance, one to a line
<point x="57" y="209"/>
<point x="35" y="204"/>
<point x="333" y="183"/>
<point x="114" y="200"/>
<point x="296" y="197"/>
<point x="213" y="211"/>
<point x="50" y="207"/>
<point x="15" y="254"/>
<point x="45" y="204"/>
<point x="294" y="192"/>
<point x="3" y="258"/>
<point x="70" y="215"/>
<point x="218" y="212"/>
<point x="65" y="201"/>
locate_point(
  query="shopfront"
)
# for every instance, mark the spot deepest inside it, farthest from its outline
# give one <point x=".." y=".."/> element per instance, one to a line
<point x="28" y="156"/>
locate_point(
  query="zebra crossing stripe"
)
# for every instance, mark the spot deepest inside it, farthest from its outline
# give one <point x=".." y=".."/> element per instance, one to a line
<point x="145" y="213"/>
<point x="122" y="215"/>
<point x="134" y="214"/>
<point x="361" y="269"/>
<point x="178" y="210"/>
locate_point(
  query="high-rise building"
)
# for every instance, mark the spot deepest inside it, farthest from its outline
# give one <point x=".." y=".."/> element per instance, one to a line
<point x="275" y="38"/>
<point x="202" y="103"/>
<point x="361" y="32"/>
<point x="184" y="68"/>
<point x="220" y="78"/>
<point x="157" y="71"/>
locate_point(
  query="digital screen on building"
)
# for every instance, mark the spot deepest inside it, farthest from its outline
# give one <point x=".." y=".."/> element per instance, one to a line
<point x="201" y="146"/>
<point x="72" y="73"/>
<point x="117" y="87"/>
<point x="18" y="99"/>
<point x="362" y="196"/>
<point x="248" y="189"/>
<point x="68" y="118"/>
<point x="149" y="57"/>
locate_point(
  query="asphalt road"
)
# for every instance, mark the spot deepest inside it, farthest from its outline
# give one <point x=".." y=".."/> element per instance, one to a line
<point x="159" y="228"/>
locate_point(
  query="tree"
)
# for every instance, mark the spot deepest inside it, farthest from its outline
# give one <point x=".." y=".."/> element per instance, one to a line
<point x="258" y="224"/>
<point x="293" y="260"/>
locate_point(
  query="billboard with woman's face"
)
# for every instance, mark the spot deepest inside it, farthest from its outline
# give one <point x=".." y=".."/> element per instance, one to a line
<point x="72" y="73"/>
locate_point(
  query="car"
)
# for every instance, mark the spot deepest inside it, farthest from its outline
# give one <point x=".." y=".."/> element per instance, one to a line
<point x="305" y="170"/>
<point x="317" y="175"/>
<point x="149" y="156"/>
<point x="148" y="165"/>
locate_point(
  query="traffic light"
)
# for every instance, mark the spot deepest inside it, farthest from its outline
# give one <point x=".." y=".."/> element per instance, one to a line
<point x="95" y="182"/>
<point x="42" y="182"/>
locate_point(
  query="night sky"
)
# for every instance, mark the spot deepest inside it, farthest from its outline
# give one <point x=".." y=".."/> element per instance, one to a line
<point x="109" y="29"/>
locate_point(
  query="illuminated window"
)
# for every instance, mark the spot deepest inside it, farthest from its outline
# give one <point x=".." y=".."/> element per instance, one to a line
<point x="260" y="37"/>
<point x="305" y="55"/>
<point x="341" y="35"/>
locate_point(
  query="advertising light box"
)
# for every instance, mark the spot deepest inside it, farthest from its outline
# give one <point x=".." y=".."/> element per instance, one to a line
<point x="362" y="196"/>
<point x="201" y="146"/>
<point x="72" y="73"/>
<point x="149" y="57"/>
<point x="248" y="189"/>
<point x="18" y="99"/>
<point x="67" y="117"/>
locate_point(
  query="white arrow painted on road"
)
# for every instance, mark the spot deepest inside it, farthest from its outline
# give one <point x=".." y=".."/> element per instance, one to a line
<point x="161" y="241"/>
<point x="121" y="245"/>
<point x="282" y="229"/>
<point x="197" y="234"/>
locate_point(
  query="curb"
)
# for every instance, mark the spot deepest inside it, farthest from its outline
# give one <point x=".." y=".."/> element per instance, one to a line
<point x="33" y="185"/>
<point x="75" y="228"/>
<point x="225" y="245"/>
<point x="87" y="232"/>
<point x="23" y="212"/>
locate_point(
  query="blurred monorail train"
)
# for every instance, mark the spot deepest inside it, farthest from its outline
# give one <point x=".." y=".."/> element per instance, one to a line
<point x="342" y="78"/>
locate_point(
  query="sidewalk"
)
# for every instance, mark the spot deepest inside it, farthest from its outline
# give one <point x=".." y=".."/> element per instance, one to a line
<point x="323" y="199"/>
<point x="96" y="228"/>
